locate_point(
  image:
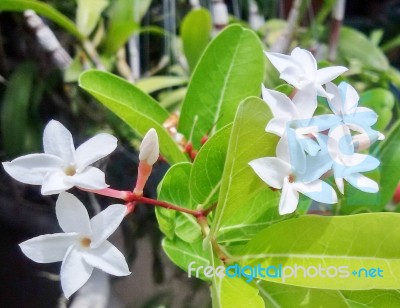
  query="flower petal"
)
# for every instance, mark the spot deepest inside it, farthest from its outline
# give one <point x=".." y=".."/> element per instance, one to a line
<point x="281" y="62"/>
<point x="89" y="178"/>
<point x="363" y="183"/>
<point x="74" y="271"/>
<point x="94" y="149"/>
<point x="327" y="74"/>
<point x="305" y="101"/>
<point x="72" y="215"/>
<point x="48" y="248"/>
<point x="289" y="198"/>
<point x="317" y="190"/>
<point x="57" y="140"/>
<point x="277" y="126"/>
<point x="32" y="168"/>
<point x="280" y="105"/>
<point x="55" y="183"/>
<point x="350" y="98"/>
<point x="271" y="170"/>
<point x="106" y="222"/>
<point x="340" y="184"/>
<point x="334" y="99"/>
<point x="107" y="258"/>
<point x="306" y="60"/>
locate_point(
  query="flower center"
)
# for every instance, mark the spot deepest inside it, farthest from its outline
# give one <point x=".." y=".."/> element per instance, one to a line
<point x="85" y="242"/>
<point x="291" y="178"/>
<point x="70" y="170"/>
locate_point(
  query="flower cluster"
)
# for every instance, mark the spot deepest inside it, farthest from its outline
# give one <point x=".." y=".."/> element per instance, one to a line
<point x="312" y="147"/>
<point x="83" y="245"/>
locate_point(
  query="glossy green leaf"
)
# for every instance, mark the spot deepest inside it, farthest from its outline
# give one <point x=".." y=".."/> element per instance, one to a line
<point x="195" y="32"/>
<point x="156" y="83"/>
<point x="382" y="102"/>
<point x="246" y="204"/>
<point x="88" y="14"/>
<point x="42" y="9"/>
<point x="173" y="188"/>
<point x="231" y="69"/>
<point x="15" y="109"/>
<point x="125" y="16"/>
<point x="137" y="109"/>
<point x="356" y="243"/>
<point x="235" y="292"/>
<point x="183" y="253"/>
<point x="206" y="175"/>
<point x="278" y="295"/>
<point x="354" y="44"/>
<point x="171" y="99"/>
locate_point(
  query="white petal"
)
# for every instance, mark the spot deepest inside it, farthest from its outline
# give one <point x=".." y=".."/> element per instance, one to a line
<point x="340" y="184"/>
<point x="363" y="183"/>
<point x="149" y="148"/>
<point x="48" y="248"/>
<point x="277" y="126"/>
<point x="282" y="149"/>
<point x="351" y="98"/>
<point x="94" y="149"/>
<point x="106" y="222"/>
<point x="32" y="168"/>
<point x="72" y="215"/>
<point x="74" y="272"/>
<point x="306" y="60"/>
<point x="89" y="178"/>
<point x="334" y="99"/>
<point x="281" y="61"/>
<point x="57" y="140"/>
<point x="340" y="145"/>
<point x="107" y="258"/>
<point x="289" y="198"/>
<point x="305" y="101"/>
<point x="271" y="170"/>
<point x="281" y="106"/>
<point x="317" y="190"/>
<point x="327" y="74"/>
<point x="55" y="183"/>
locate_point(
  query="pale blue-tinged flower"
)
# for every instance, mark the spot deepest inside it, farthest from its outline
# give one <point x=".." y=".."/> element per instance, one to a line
<point x="300" y="69"/>
<point x="61" y="166"/>
<point x="83" y="245"/>
<point x="277" y="172"/>
<point x="347" y="164"/>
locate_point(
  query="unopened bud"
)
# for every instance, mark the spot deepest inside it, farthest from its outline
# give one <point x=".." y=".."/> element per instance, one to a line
<point x="149" y="148"/>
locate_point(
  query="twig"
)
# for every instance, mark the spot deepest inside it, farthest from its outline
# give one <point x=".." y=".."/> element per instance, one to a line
<point x="336" y="24"/>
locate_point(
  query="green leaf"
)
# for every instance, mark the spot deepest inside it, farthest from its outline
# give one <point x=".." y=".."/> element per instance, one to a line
<point x="354" y="44"/>
<point x="389" y="155"/>
<point x="195" y="32"/>
<point x="171" y="99"/>
<point x="231" y="69"/>
<point x="235" y="292"/>
<point x="206" y="175"/>
<point x="156" y="83"/>
<point x="173" y="188"/>
<point x="42" y="9"/>
<point x="348" y="243"/>
<point x="182" y="254"/>
<point x="15" y="109"/>
<point x="246" y="204"/>
<point x="88" y="14"/>
<point x="278" y="295"/>
<point x="382" y="102"/>
<point x="137" y="109"/>
<point x="125" y="16"/>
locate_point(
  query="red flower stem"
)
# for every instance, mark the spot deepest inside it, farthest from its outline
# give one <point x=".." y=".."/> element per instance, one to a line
<point x="109" y="192"/>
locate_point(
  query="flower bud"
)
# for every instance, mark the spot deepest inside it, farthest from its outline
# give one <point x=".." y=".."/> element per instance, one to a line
<point x="149" y="148"/>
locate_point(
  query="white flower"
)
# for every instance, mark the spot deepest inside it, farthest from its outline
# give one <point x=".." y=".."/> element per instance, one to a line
<point x="278" y="173"/>
<point x="284" y="110"/>
<point x="347" y="164"/>
<point x="83" y="245"/>
<point x="61" y="166"/>
<point x="300" y="69"/>
<point x="149" y="148"/>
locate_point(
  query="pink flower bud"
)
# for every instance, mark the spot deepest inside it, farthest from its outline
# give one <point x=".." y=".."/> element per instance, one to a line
<point x="149" y="148"/>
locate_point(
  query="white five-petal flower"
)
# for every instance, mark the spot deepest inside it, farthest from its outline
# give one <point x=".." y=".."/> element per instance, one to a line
<point x="83" y="245"/>
<point x="61" y="166"/>
<point x="300" y="69"/>
<point x="277" y="173"/>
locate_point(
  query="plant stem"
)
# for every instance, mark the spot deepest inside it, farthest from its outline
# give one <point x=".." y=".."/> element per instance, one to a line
<point x="166" y="205"/>
<point x="336" y="24"/>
